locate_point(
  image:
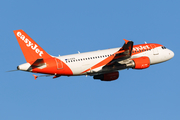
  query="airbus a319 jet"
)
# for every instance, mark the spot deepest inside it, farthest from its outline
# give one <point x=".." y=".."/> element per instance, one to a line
<point x="102" y="64"/>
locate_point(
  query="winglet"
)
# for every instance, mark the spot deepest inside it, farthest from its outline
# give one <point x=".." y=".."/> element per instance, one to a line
<point x="126" y="41"/>
<point x="128" y="45"/>
<point x="35" y="76"/>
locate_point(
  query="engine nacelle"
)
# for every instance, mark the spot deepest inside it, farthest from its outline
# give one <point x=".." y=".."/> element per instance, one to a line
<point x="108" y="76"/>
<point x="141" y="63"/>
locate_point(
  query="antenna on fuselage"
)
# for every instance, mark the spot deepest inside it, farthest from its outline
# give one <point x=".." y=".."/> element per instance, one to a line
<point x="78" y="52"/>
<point x="145" y="42"/>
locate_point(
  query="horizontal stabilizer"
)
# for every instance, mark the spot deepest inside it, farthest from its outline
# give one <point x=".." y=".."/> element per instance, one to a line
<point x="38" y="63"/>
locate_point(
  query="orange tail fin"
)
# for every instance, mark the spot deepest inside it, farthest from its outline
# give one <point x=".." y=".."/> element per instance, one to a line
<point x="31" y="50"/>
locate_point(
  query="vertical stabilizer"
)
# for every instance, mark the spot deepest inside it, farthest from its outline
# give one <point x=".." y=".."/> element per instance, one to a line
<point x="31" y="50"/>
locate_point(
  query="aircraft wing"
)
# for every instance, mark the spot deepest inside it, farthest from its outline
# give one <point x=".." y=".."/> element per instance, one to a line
<point x="124" y="52"/>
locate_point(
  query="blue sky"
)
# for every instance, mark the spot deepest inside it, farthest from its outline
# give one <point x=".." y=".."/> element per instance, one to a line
<point x="66" y="27"/>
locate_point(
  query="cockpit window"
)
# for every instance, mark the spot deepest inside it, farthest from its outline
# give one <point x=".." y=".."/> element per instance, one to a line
<point x="163" y="47"/>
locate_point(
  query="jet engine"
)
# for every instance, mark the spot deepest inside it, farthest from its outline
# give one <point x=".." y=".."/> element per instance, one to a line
<point x="141" y="63"/>
<point x="138" y="63"/>
<point x="107" y="76"/>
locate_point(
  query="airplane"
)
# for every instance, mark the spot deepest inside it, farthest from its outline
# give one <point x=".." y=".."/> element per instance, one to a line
<point x="102" y="64"/>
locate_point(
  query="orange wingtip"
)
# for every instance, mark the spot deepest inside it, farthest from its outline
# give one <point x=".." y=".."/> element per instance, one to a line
<point x="35" y="76"/>
<point x="126" y="41"/>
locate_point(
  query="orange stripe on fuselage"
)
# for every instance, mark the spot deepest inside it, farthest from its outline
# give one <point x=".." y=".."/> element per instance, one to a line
<point x="144" y="47"/>
<point x="51" y="67"/>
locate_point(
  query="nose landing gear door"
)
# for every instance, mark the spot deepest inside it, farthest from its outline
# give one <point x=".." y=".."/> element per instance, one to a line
<point x="59" y="64"/>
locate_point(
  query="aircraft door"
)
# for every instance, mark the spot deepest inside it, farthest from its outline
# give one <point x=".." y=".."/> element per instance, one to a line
<point x="59" y="64"/>
<point x="155" y="50"/>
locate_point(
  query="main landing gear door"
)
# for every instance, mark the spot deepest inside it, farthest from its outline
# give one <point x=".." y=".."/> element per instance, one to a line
<point x="59" y="64"/>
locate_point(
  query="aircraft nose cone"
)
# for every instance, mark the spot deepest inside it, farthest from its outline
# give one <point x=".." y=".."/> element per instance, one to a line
<point x="171" y="54"/>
